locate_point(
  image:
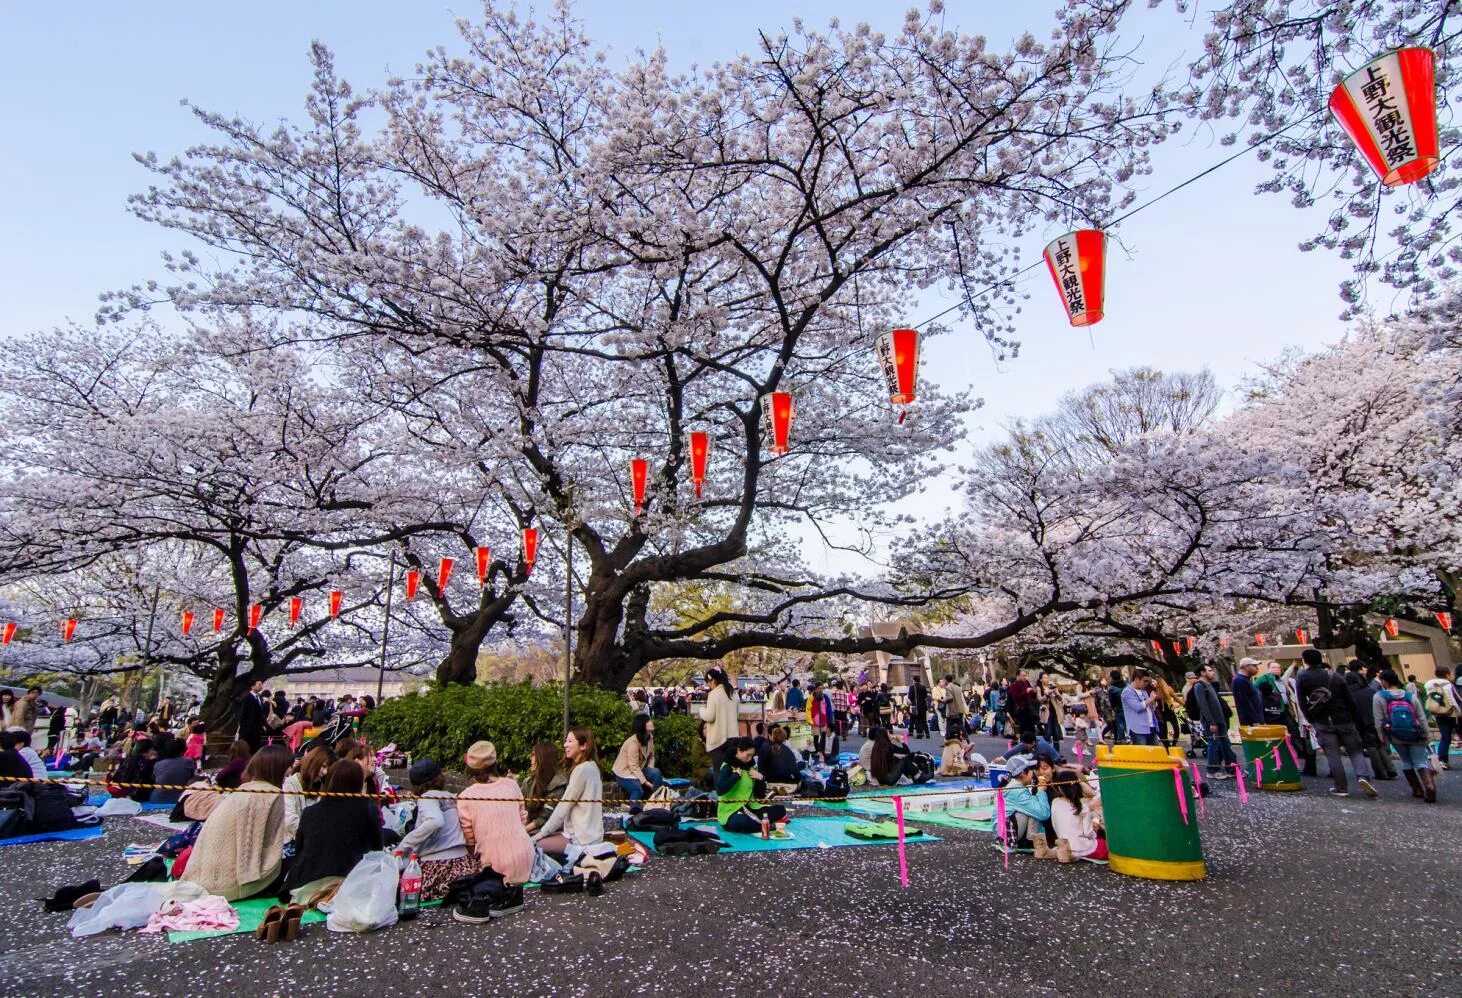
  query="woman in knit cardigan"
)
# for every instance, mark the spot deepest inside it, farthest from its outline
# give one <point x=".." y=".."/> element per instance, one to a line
<point x="239" y="851"/>
<point x="578" y="820"/>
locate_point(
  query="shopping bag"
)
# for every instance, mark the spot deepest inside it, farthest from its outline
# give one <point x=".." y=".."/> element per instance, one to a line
<point x="367" y="899"/>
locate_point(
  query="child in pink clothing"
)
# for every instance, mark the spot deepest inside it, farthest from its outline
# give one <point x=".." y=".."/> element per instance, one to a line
<point x="194" y="747"/>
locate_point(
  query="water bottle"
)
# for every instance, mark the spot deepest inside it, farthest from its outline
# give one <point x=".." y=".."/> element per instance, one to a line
<point x="409" y="898"/>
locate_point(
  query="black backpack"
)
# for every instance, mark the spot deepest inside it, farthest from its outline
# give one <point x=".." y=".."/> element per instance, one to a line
<point x="921" y="766"/>
<point x="836" y="785"/>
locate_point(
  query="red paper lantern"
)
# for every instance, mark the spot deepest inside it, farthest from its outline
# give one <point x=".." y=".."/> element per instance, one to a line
<point x="484" y="559"/>
<point x="1177" y="648"/>
<point x="1259" y="640"/>
<point x="1393" y="626"/>
<point x="256" y="613"/>
<point x="296" y="605"/>
<point x="68" y="628"/>
<point x="9" y="633"/>
<point x="530" y="546"/>
<point x="1389" y="109"/>
<point x="1190" y="641"/>
<point x="1077" y="262"/>
<point x="1445" y="619"/>
<point x="898" y="354"/>
<point x="1224" y="642"/>
<point x="776" y="409"/>
<point x="187" y="622"/>
<point x="335" y="597"/>
<point x="413" y="579"/>
<point x="1156" y="647"/>
<point x="1302" y="636"/>
<point x="700" y="453"/>
<point x="444" y="572"/>
<point x="639" y="479"/>
<point x="218" y="620"/>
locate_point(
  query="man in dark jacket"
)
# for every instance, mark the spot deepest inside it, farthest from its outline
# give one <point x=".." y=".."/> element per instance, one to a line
<point x="1247" y="700"/>
<point x="1327" y="705"/>
<point x="918" y="708"/>
<point x="1022" y="700"/>
<point x="250" y="713"/>
<point x="1215" y="725"/>
<point x="1362" y="692"/>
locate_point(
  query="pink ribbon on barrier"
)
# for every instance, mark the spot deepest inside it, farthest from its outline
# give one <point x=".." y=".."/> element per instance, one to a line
<point x="1182" y="793"/>
<point x="1259" y="770"/>
<point x="1198" y="789"/>
<point x="1243" y="793"/>
<point x="898" y="810"/>
<point x="1293" y="758"/>
<point x="1002" y="827"/>
<point x="1277" y="763"/>
<point x="1078" y="753"/>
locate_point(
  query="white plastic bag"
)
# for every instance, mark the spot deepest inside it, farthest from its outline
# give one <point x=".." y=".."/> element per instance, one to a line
<point x="395" y="816"/>
<point x="126" y="906"/>
<point x="367" y="898"/>
<point x="119" y="807"/>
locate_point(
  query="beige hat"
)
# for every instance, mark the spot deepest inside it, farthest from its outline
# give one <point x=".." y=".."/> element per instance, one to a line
<point x="481" y="755"/>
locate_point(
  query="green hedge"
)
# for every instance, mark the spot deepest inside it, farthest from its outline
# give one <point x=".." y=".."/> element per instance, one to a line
<point x="679" y="750"/>
<point x="443" y="722"/>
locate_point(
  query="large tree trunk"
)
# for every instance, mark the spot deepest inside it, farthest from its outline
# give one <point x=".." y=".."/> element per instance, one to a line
<point x="602" y="655"/>
<point x="459" y="666"/>
<point x="218" y="710"/>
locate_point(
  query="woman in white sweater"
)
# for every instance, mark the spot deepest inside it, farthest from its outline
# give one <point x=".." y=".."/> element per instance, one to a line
<point x="578" y="820"/>
<point x="719" y="714"/>
<point x="1071" y="818"/>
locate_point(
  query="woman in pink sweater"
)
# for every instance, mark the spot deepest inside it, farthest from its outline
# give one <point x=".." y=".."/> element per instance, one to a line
<point x="493" y="815"/>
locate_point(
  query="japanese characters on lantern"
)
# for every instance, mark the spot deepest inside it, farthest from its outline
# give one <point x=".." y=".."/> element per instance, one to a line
<point x="1393" y="626"/>
<point x="1077" y="262"/>
<point x="68" y="628"/>
<point x="1302" y="636"/>
<point x="898" y="355"/>
<point x="484" y="559"/>
<point x="413" y="580"/>
<point x="700" y="452"/>
<point x="187" y="622"/>
<point x="776" y="409"/>
<point x="256" y="613"/>
<point x="296" y="605"/>
<point x="8" y="633"/>
<point x="1389" y="109"/>
<point x="218" y="616"/>
<point x="335" y="598"/>
<point x="444" y="572"/>
<point x="1445" y="619"/>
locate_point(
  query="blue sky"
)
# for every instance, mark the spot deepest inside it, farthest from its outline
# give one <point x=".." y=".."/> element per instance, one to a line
<point x="1209" y="277"/>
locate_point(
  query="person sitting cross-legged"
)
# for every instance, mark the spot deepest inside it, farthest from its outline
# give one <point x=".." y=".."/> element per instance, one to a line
<point x="1027" y="806"/>
<point x="740" y="787"/>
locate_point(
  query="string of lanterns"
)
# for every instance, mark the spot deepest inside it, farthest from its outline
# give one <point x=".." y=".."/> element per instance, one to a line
<point x="1387" y="108"/>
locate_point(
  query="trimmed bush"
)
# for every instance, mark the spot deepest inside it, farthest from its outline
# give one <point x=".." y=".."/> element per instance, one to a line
<point x="442" y="723"/>
<point x="679" y="750"/>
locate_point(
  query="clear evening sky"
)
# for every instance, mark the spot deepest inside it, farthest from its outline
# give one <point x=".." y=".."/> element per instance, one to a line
<point x="1210" y="277"/>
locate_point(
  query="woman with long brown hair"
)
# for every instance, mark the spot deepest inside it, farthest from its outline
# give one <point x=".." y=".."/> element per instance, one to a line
<point x="240" y="851"/>
<point x="543" y="784"/>
<point x="578" y="820"/>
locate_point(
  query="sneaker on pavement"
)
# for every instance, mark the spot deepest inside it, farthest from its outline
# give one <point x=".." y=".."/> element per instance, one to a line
<point x="1366" y="787"/>
<point x="474" y="912"/>
<point x="1219" y="776"/>
<point x="1337" y="792"/>
<point x="510" y="903"/>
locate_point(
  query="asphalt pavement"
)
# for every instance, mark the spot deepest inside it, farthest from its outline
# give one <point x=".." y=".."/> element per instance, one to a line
<point x="1305" y="894"/>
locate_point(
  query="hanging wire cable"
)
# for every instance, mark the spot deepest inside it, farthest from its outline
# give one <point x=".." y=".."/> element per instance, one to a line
<point x="1014" y="278"/>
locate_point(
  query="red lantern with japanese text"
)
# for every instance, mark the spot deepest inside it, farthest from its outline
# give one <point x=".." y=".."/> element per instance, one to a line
<point x="444" y="572"/>
<point x="639" y="480"/>
<point x="413" y="579"/>
<point x="1078" y="265"/>
<point x="296" y="606"/>
<point x="335" y="598"/>
<point x="1389" y="109"/>
<point x="68" y="628"/>
<point x="1156" y="647"/>
<point x="218" y="616"/>
<point x="1224" y="642"/>
<point x="700" y="453"/>
<point x="9" y="633"/>
<point x="256" y="614"/>
<point x="484" y="559"/>
<point x="776" y="409"/>
<point x="1190" y="641"/>
<point x="1302" y="636"/>
<point x="187" y="622"/>
<point x="898" y="355"/>
<point x="1445" y="619"/>
<point x="1393" y="626"/>
<point x="1259" y="640"/>
<point x="530" y="546"/>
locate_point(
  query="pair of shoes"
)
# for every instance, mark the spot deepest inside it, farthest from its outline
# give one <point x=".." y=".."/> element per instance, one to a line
<point x="1063" y="851"/>
<point x="563" y="883"/>
<point x="272" y="926"/>
<point x="1042" y="849"/>
<point x="1366" y="788"/>
<point x="484" y="906"/>
<point x="1220" y="775"/>
<point x="292" y="929"/>
<point x="1337" y="792"/>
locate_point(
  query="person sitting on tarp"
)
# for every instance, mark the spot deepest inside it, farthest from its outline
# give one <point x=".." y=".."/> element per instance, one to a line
<point x="777" y="762"/>
<point x="1027" y="806"/>
<point x="740" y="786"/>
<point x="1035" y="748"/>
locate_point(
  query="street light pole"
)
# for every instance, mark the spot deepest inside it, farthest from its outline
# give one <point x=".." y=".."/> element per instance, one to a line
<point x="386" y="627"/>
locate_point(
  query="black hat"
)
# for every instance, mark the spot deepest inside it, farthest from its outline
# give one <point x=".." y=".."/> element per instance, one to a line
<point x="423" y="771"/>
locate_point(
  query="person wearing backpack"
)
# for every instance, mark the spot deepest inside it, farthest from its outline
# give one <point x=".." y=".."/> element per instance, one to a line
<point x="1442" y="708"/>
<point x="1401" y="721"/>
<point x="1326" y="703"/>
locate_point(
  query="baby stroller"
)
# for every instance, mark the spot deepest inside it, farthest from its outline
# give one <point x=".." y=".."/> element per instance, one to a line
<point x="1197" y="741"/>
